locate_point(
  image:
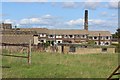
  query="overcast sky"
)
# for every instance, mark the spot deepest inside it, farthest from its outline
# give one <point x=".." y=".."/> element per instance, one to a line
<point x="61" y="15"/>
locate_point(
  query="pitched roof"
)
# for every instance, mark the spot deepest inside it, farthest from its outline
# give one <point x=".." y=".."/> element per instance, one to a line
<point x="102" y="33"/>
<point x="38" y="30"/>
<point x="67" y="32"/>
<point x="17" y="39"/>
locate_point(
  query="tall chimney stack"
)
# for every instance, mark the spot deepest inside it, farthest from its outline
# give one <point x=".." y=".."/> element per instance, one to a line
<point x="86" y="20"/>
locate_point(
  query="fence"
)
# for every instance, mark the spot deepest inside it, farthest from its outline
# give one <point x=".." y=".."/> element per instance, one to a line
<point x="28" y="51"/>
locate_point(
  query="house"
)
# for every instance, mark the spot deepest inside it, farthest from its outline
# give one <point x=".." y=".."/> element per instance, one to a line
<point x="5" y="26"/>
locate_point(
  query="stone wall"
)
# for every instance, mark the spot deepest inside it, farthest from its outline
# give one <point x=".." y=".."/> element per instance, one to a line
<point x="87" y="50"/>
<point x="79" y="50"/>
<point x="66" y="49"/>
<point x="111" y="50"/>
<point x="93" y="50"/>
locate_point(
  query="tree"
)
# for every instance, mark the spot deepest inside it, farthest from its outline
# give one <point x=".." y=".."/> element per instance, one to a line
<point x="15" y="27"/>
<point x="115" y="35"/>
<point x="46" y="44"/>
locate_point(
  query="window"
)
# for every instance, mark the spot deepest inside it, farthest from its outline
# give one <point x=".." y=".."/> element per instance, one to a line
<point x="51" y="35"/>
<point x="58" y="41"/>
<point x="74" y="35"/>
<point x="42" y="40"/>
<point x="83" y="36"/>
<point x="106" y="43"/>
<point x="104" y="49"/>
<point x="72" y="49"/>
<point x="65" y="36"/>
<point x="71" y="36"/>
<point x="90" y="37"/>
<point x="95" y="37"/>
<point x="107" y="37"/>
<point x="95" y="42"/>
<point x="42" y="34"/>
<point x="101" y="37"/>
<point x="78" y="35"/>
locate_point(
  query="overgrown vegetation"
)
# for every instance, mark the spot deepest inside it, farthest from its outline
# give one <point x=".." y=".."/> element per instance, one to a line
<point x="91" y="42"/>
<point x="55" y="65"/>
<point x="117" y="36"/>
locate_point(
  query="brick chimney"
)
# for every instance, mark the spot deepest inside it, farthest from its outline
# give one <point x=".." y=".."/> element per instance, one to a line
<point x="86" y="20"/>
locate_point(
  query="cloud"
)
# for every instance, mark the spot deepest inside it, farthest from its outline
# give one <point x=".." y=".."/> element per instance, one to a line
<point x="113" y="5"/>
<point x="45" y="20"/>
<point x="91" y="5"/>
<point x="91" y="22"/>
<point x="48" y="16"/>
<point x="69" y="5"/>
<point x="30" y="21"/>
<point x="75" y="22"/>
<point x="81" y="22"/>
<point x="9" y="21"/>
<point x="34" y="21"/>
<point x="104" y="14"/>
<point x="98" y="22"/>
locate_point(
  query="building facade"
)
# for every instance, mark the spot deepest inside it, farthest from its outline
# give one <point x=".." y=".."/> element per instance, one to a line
<point x="75" y="36"/>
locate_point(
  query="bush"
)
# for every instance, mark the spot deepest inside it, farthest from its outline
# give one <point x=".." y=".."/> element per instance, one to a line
<point x="91" y="42"/>
<point x="46" y="44"/>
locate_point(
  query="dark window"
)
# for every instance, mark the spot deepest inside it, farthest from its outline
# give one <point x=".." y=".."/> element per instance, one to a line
<point x="106" y="43"/>
<point x="71" y="36"/>
<point x="66" y="35"/>
<point x="62" y="49"/>
<point x="58" y="41"/>
<point x="107" y="37"/>
<point x="74" y="35"/>
<point x="95" y="37"/>
<point x="83" y="36"/>
<point x="51" y="35"/>
<point x="42" y="40"/>
<point x="78" y="35"/>
<point x="95" y="42"/>
<point x="72" y="49"/>
<point x="42" y="34"/>
<point x="104" y="49"/>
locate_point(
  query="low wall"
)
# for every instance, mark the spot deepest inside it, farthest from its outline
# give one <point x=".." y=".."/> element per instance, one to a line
<point x="93" y="50"/>
<point x="87" y="50"/>
<point x="111" y="50"/>
<point x="66" y="49"/>
<point x="79" y="50"/>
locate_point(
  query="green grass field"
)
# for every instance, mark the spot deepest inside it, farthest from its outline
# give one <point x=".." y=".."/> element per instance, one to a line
<point x="54" y="65"/>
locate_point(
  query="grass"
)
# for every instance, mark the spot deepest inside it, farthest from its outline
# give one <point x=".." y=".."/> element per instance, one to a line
<point x="53" y="65"/>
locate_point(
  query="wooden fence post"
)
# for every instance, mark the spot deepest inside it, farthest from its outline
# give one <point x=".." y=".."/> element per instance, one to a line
<point x="29" y="53"/>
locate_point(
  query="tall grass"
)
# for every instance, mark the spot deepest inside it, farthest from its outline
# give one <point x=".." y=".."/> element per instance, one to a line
<point x="55" y="65"/>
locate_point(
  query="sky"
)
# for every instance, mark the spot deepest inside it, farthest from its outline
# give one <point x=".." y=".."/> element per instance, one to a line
<point x="60" y="15"/>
